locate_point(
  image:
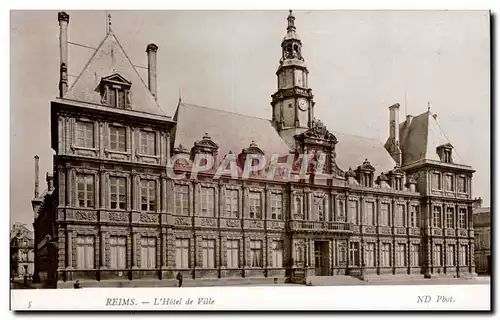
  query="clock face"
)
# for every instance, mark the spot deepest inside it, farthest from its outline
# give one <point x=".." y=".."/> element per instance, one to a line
<point x="303" y="104"/>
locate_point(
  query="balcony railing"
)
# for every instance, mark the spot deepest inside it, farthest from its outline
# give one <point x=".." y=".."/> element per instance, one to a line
<point x="298" y="225"/>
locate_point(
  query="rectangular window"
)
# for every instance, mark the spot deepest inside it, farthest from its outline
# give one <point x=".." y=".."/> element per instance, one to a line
<point x="415" y="255"/>
<point x="400" y="216"/>
<point x="118" y="192"/>
<point x="450" y="255"/>
<point x="117" y="138"/>
<point x="370" y="214"/>
<point x="370" y="255"/>
<point x="148" y="143"/>
<point x="462" y="185"/>
<point x="208" y="253"/>
<point x="352" y="214"/>
<point x="148" y="252"/>
<point x="118" y="251"/>
<point x="256" y="254"/>
<point x="182" y="253"/>
<point x="354" y="253"/>
<point x="255" y="205"/>
<point x="449" y="183"/>
<point x="438" y="258"/>
<point x="85" y="252"/>
<point x="233" y="253"/>
<point x="401" y="255"/>
<point x="86" y="193"/>
<point x="319" y="208"/>
<point x="384" y="214"/>
<point x="385" y="255"/>
<point x="450" y="217"/>
<point x="436" y="181"/>
<point x="148" y="195"/>
<point x="181" y="195"/>
<point x="276" y="206"/>
<point x="121" y="99"/>
<point x="463" y="255"/>
<point x="85" y="134"/>
<point x="462" y="215"/>
<point x="232" y="204"/>
<point x="207" y="202"/>
<point x="277" y="254"/>
<point x="436" y="217"/>
<point x="414" y="217"/>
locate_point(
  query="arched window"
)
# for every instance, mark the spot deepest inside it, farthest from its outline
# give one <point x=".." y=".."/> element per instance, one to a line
<point x="296" y="48"/>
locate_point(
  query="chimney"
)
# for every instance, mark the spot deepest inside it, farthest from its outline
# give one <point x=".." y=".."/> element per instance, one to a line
<point x="395" y="151"/>
<point x="151" y="50"/>
<point x="50" y="181"/>
<point x="409" y="118"/>
<point x="37" y="159"/>
<point x="63" y="19"/>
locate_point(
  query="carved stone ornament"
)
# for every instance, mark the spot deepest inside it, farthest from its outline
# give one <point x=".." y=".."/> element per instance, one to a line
<point x="208" y="222"/>
<point x="117" y="216"/>
<point x="256" y="224"/>
<point x="274" y="225"/>
<point x="350" y="173"/>
<point x="366" y="166"/>
<point x="233" y="223"/>
<point x="318" y="131"/>
<point x="86" y="215"/>
<point x="148" y="217"/>
<point x="182" y="221"/>
<point x="382" y="177"/>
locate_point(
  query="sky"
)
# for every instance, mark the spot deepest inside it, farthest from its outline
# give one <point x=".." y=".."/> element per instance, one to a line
<point x="360" y="63"/>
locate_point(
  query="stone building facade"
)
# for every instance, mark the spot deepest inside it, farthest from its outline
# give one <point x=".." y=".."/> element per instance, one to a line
<point x="116" y="212"/>
<point x="482" y="235"/>
<point x="22" y="259"/>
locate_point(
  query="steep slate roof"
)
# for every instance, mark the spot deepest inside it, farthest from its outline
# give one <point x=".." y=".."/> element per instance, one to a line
<point x="108" y="59"/>
<point x="234" y="132"/>
<point x="353" y="150"/>
<point x="421" y="138"/>
<point x="231" y="131"/>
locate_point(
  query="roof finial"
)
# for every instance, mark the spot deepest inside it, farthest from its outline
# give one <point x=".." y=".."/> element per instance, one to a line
<point x="291" y="21"/>
<point x="180" y="96"/>
<point x="109" y="22"/>
<point x="428" y="106"/>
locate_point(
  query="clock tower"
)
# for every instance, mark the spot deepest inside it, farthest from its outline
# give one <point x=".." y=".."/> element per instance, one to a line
<point x="292" y="103"/>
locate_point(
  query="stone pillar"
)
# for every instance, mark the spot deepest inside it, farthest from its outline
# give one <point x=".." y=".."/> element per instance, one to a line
<point x="134" y="250"/>
<point x="69" y="250"/>
<point x="102" y="191"/>
<point x="163" y="248"/>
<point x="103" y="250"/>
<point x="69" y="187"/>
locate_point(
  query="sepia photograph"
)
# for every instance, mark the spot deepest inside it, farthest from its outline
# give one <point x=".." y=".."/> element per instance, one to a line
<point x="157" y="154"/>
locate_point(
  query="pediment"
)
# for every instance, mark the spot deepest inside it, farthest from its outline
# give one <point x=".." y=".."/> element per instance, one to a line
<point x="116" y="78"/>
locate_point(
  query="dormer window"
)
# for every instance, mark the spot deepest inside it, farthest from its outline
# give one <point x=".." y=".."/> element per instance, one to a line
<point x="115" y="91"/>
<point x="444" y="152"/>
<point x="365" y="174"/>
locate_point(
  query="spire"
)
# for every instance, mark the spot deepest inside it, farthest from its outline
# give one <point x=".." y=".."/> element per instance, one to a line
<point x="291" y="22"/>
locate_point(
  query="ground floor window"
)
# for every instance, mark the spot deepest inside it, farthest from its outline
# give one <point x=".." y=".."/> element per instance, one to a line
<point x="277" y="254"/>
<point x="450" y="255"/>
<point x="370" y="255"/>
<point x="118" y="250"/>
<point x="463" y="255"/>
<point x="354" y="254"/>
<point x="233" y="253"/>
<point x="401" y="255"/>
<point x="208" y="253"/>
<point x="415" y="255"/>
<point x="438" y="258"/>
<point x="385" y="255"/>
<point x="148" y="252"/>
<point x="182" y="253"/>
<point x="85" y="252"/>
<point x="256" y="254"/>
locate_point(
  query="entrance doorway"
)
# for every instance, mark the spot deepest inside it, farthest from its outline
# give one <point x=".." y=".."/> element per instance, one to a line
<point x="321" y="258"/>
